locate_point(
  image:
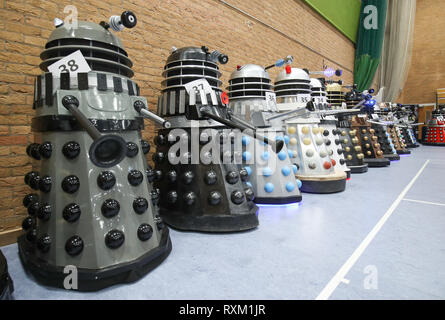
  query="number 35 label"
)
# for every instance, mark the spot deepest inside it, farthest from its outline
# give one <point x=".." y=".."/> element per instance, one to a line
<point x="73" y="63"/>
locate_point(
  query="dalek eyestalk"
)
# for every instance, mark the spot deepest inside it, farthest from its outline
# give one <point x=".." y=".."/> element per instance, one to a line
<point x="107" y="150"/>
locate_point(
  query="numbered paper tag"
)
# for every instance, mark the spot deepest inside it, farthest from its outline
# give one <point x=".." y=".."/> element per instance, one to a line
<point x="304" y="99"/>
<point x="271" y="99"/>
<point x="73" y="63"/>
<point x="197" y="86"/>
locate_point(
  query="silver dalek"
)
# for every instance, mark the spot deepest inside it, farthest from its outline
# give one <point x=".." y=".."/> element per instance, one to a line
<point x="205" y="190"/>
<point x="271" y="174"/>
<point x="317" y="169"/>
<point x="329" y="123"/>
<point x="96" y="209"/>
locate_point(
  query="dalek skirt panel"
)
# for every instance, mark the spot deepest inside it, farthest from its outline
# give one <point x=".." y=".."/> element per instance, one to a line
<point x="92" y="206"/>
<point x="386" y="145"/>
<point x="6" y="285"/>
<point x="398" y="141"/>
<point x="210" y="193"/>
<point x="315" y="168"/>
<point x="271" y="174"/>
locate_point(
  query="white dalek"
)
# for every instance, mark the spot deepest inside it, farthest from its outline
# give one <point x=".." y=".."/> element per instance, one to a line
<point x="318" y="170"/>
<point x="252" y="101"/>
<point x="329" y="122"/>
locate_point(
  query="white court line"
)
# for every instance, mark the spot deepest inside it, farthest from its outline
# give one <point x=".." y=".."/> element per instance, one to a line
<point x="340" y="275"/>
<point x="425" y="202"/>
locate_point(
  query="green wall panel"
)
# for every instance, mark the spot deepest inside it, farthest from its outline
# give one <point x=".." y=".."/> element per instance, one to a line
<point x="343" y="14"/>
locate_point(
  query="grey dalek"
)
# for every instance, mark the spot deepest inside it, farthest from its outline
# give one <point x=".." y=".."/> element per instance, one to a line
<point x="271" y="174"/>
<point x="329" y="123"/>
<point x="203" y="188"/>
<point x="96" y="209"/>
<point x="318" y="170"/>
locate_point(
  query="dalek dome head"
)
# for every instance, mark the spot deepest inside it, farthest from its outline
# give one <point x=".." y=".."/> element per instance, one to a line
<point x="292" y="82"/>
<point x="102" y="49"/>
<point x="317" y="85"/>
<point x="334" y="87"/>
<point x="249" y="82"/>
<point x="187" y="64"/>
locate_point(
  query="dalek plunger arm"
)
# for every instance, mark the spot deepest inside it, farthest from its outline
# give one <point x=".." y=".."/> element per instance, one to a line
<point x="107" y="150"/>
<point x="139" y="106"/>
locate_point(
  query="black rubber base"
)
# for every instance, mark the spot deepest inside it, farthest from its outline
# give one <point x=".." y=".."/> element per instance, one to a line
<point x="211" y="223"/>
<point x="93" y="279"/>
<point x="433" y="144"/>
<point x="359" y="169"/>
<point x="403" y="152"/>
<point x="348" y="174"/>
<point x="282" y="200"/>
<point x="392" y="156"/>
<point x="330" y="186"/>
<point x="377" y="163"/>
<point x="414" y="146"/>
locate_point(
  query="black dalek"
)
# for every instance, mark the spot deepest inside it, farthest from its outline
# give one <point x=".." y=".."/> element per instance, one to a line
<point x="209" y="193"/>
<point x="6" y="285"/>
<point x="386" y="145"/>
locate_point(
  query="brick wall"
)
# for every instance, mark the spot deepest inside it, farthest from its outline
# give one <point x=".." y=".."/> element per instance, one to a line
<point x="427" y="72"/>
<point x="282" y="27"/>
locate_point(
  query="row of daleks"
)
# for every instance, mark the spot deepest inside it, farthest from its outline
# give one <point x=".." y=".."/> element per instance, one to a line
<point x="99" y="207"/>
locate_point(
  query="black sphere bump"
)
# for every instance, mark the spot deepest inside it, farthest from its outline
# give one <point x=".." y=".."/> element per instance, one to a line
<point x="243" y="174"/>
<point x="33" y="208"/>
<point x="145" y="231"/>
<point x="34" y="151"/>
<point x="74" y="246"/>
<point x="160" y="140"/>
<point x="187" y="177"/>
<point x="189" y="198"/>
<point x="172" y="197"/>
<point x="155" y="197"/>
<point x="71" y="213"/>
<point x="106" y="180"/>
<point x="31" y="235"/>
<point x="114" y="239"/>
<point x="135" y="177"/>
<point x="145" y="146"/>
<point x="214" y="198"/>
<point x="44" y="212"/>
<point x="30" y="175"/>
<point x="30" y="198"/>
<point x="158" y="157"/>
<point x="70" y="184"/>
<point x="71" y="149"/>
<point x="110" y="208"/>
<point x="28" y="223"/>
<point x="158" y="175"/>
<point x="44" y="243"/>
<point x="210" y="177"/>
<point x="172" y="176"/>
<point x="250" y="195"/>
<point x="140" y="205"/>
<point x="232" y="177"/>
<point x="132" y="149"/>
<point x="237" y="197"/>
<point x="150" y="173"/>
<point x="45" y="184"/>
<point x="46" y="149"/>
<point x="34" y="182"/>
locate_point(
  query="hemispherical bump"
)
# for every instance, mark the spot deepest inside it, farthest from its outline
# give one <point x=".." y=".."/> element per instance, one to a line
<point x="145" y="232"/>
<point x="363" y="131"/>
<point x="135" y="177"/>
<point x="28" y="223"/>
<point x="369" y="153"/>
<point x="249" y="184"/>
<point x="245" y="140"/>
<point x="71" y="149"/>
<point x="312" y="165"/>
<point x="110" y="208"/>
<point x="232" y="177"/>
<point x="187" y="177"/>
<point x="34" y="182"/>
<point x="265" y="156"/>
<point x="172" y="197"/>
<point x="285" y="171"/>
<point x="45" y="184"/>
<point x="325" y="133"/>
<point x="360" y="156"/>
<point x="269" y="187"/>
<point x="30" y="198"/>
<point x="299" y="183"/>
<point x="293" y="141"/>
<point x="74" y="246"/>
<point x="291" y="130"/>
<point x="267" y="172"/>
<point x="33" y="208"/>
<point x="160" y="140"/>
<point x="315" y="130"/>
<point x="334" y="163"/>
<point x="172" y="176"/>
<point x="150" y="174"/>
<point x="214" y="198"/>
<point x="345" y="141"/>
<point x="33" y="151"/>
<point x="327" y="142"/>
<point x="282" y="155"/>
<point x="132" y="149"/>
<point x="290" y="186"/>
<point x="114" y="239"/>
<point x="210" y="177"/>
<point x="330" y="152"/>
<point x="247" y="156"/>
<point x="189" y="198"/>
<point x="44" y="243"/>
<point x="352" y="133"/>
<point x="349" y="157"/>
<point x="46" y="149"/>
<point x="295" y="168"/>
<point x="249" y="170"/>
<point x="44" y="212"/>
<point x="367" y="146"/>
<point x="158" y="175"/>
<point x="155" y="197"/>
<point x="29" y="175"/>
<point x="106" y="180"/>
<point x="244" y="175"/>
<point x="365" y="138"/>
<point x="140" y="205"/>
<point x="307" y="141"/>
<point x="237" y="197"/>
<point x="31" y="235"/>
<point x="327" y="165"/>
<point x="310" y="153"/>
<point x="145" y="146"/>
<point x="286" y="139"/>
<point x="305" y="130"/>
<point x="158" y="157"/>
<point x="348" y="149"/>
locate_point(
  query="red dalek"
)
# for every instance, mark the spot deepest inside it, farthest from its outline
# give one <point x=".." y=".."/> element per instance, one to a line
<point x="434" y="132"/>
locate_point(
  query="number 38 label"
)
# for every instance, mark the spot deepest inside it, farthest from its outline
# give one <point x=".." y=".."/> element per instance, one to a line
<point x="73" y="63"/>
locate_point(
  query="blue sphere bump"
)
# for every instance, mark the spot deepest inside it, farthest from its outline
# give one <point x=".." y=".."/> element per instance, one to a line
<point x="286" y="140"/>
<point x="245" y="140"/>
<point x="249" y="184"/>
<point x="279" y="138"/>
<point x="291" y="153"/>
<point x="265" y="156"/>
<point x="285" y="171"/>
<point x="290" y="186"/>
<point x="294" y="168"/>
<point x="267" y="172"/>
<point x="269" y="187"/>
<point x="246" y="156"/>
<point x="249" y="170"/>
<point x="282" y="155"/>
<point x="299" y="184"/>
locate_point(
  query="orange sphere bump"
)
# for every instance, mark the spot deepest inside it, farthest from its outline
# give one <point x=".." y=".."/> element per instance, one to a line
<point x="327" y="165"/>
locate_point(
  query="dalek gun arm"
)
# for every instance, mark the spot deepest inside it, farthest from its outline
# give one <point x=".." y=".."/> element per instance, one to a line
<point x="107" y="150"/>
<point x="297" y="112"/>
<point x="139" y="106"/>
